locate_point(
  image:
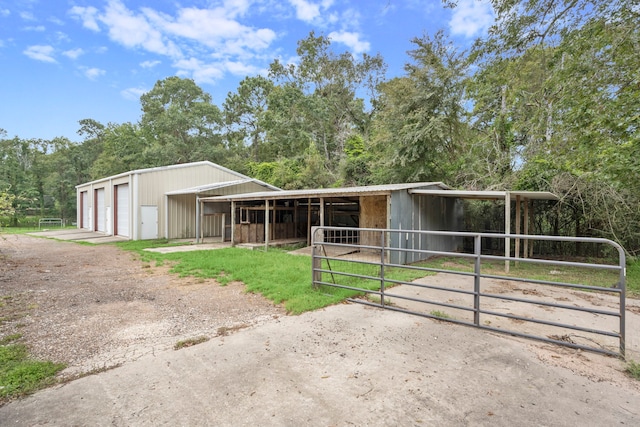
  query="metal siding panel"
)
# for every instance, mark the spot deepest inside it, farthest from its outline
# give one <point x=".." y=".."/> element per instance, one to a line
<point x="182" y="214"/>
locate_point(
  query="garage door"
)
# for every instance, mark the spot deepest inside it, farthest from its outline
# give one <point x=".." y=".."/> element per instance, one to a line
<point x="84" y="202"/>
<point x="100" y="210"/>
<point x="122" y="214"/>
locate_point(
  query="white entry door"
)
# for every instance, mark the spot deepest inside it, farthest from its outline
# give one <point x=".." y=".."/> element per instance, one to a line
<point x="149" y="225"/>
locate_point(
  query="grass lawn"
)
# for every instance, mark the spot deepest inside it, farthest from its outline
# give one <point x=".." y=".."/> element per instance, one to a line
<point x="281" y="277"/>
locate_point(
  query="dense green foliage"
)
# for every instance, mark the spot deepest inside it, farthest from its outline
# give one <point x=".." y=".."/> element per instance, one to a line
<point x="548" y="100"/>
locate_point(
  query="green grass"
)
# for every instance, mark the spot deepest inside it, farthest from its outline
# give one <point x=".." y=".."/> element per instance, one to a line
<point x="552" y="273"/>
<point x="281" y="277"/>
<point x="633" y="277"/>
<point x="633" y="369"/>
<point x="190" y="342"/>
<point x="440" y="314"/>
<point x="25" y="230"/>
<point x="21" y="375"/>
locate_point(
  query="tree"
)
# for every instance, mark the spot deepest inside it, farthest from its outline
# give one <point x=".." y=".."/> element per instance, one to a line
<point x="420" y="120"/>
<point x="320" y="99"/>
<point x="557" y="87"/>
<point x="124" y="148"/>
<point x="181" y="122"/>
<point x="244" y="113"/>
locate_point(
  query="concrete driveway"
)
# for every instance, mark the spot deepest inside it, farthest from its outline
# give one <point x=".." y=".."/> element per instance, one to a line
<point x="78" y="235"/>
<point x="347" y="365"/>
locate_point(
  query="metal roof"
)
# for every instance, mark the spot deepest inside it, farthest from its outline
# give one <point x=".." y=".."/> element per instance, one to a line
<point x="488" y="195"/>
<point x="326" y="192"/>
<point x="210" y="187"/>
<point x="161" y="168"/>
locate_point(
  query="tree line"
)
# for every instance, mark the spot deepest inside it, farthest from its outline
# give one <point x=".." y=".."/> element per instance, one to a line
<point x="548" y="101"/>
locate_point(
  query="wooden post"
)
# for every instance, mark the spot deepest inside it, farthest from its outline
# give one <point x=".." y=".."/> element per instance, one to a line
<point x="309" y="221"/>
<point x="233" y="223"/>
<point x="266" y="225"/>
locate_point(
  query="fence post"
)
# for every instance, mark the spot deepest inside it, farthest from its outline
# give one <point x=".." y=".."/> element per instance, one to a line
<point x="316" y="262"/>
<point x="382" y="236"/>
<point x="622" y="285"/>
<point x="477" y="250"/>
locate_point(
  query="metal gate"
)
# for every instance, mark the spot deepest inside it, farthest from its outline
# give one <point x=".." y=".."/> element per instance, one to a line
<point x="431" y="274"/>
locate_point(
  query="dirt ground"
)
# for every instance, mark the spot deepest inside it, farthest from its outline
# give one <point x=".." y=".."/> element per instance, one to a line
<point x="95" y="307"/>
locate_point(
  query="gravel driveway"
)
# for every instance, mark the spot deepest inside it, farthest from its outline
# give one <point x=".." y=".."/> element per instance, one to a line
<point x="95" y="307"/>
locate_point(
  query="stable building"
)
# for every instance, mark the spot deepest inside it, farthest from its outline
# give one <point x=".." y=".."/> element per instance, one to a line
<point x="162" y="202"/>
<point x="266" y="217"/>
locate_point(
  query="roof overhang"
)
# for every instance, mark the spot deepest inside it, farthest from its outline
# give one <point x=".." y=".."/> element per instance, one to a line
<point x="208" y="188"/>
<point x="488" y="195"/>
<point x="371" y="190"/>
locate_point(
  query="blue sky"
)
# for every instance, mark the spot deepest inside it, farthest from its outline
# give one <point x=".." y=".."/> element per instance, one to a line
<point x="67" y="60"/>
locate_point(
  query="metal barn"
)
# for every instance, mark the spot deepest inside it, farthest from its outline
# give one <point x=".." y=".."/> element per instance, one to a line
<point x="162" y="202"/>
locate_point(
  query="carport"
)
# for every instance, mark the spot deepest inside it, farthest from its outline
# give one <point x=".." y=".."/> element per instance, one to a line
<point x="523" y="208"/>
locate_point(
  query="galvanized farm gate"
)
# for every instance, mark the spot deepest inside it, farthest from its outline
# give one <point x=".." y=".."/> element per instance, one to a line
<point x="395" y="270"/>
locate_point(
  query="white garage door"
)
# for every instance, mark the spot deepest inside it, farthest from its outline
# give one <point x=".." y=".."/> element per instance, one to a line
<point x="100" y="210"/>
<point x="122" y="220"/>
<point x="86" y="215"/>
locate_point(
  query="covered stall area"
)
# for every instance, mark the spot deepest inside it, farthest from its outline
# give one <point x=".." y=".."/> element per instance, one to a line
<point x="189" y="217"/>
<point x="265" y="218"/>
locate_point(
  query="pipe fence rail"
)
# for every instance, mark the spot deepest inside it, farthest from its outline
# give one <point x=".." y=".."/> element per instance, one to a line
<point x="426" y="273"/>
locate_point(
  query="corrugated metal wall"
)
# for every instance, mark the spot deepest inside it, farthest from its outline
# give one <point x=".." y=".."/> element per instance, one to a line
<point x="415" y="212"/>
<point x="182" y="211"/>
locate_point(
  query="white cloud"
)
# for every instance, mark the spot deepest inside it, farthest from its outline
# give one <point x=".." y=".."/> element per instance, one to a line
<point x="5" y="12"/>
<point x="40" y="53"/>
<point x="73" y="53"/>
<point x="201" y="72"/>
<point x="93" y="73"/>
<point x="135" y="30"/>
<point x="87" y="15"/>
<point x="471" y="17"/>
<point x="37" y="28"/>
<point x="351" y="40"/>
<point x="313" y="13"/>
<point x="191" y="37"/>
<point x="306" y="11"/>
<point x="241" y="69"/>
<point x="133" y="93"/>
<point x="56" y="21"/>
<point x="27" y="16"/>
<point x="149" y="64"/>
